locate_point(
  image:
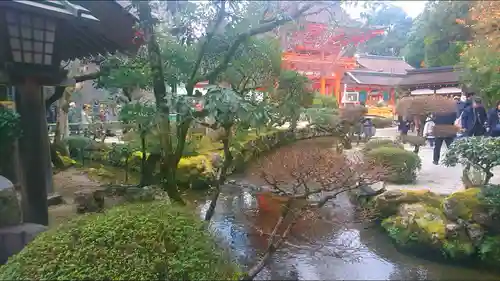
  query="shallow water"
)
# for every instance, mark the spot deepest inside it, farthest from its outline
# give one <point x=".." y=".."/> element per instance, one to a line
<point x="322" y="250"/>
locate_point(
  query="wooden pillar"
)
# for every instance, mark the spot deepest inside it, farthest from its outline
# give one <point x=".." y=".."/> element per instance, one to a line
<point x="337" y="89"/>
<point x="34" y="152"/>
<point x="392" y="97"/>
<point x="322" y="82"/>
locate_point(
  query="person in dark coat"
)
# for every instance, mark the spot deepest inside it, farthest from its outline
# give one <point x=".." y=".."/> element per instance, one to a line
<point x="494" y="121"/>
<point x="442" y="119"/>
<point x="474" y="118"/>
<point x="464" y="102"/>
<point x="403" y="125"/>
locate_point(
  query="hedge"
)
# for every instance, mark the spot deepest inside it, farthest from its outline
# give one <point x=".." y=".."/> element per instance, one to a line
<point x="197" y="170"/>
<point x="148" y="241"/>
<point x="376" y="143"/>
<point x="402" y="165"/>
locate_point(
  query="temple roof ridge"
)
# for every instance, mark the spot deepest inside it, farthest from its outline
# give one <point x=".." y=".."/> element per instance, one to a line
<point x="376" y="73"/>
<point x="447" y="68"/>
<point x="369" y="56"/>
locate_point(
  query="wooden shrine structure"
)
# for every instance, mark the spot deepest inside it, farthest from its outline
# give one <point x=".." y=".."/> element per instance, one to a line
<point x="319" y="51"/>
<point x="37" y="36"/>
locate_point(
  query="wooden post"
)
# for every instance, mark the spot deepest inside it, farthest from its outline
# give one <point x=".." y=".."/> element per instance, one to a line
<point x="34" y="152"/>
<point x="322" y="82"/>
<point x="392" y="97"/>
<point x="336" y="86"/>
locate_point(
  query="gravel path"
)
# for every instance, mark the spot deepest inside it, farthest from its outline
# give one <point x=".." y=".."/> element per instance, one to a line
<point x="437" y="178"/>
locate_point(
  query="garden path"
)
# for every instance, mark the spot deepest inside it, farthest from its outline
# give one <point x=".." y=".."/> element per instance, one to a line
<point x="437" y="178"/>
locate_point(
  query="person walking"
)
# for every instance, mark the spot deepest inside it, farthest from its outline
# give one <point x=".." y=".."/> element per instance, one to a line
<point x="473" y="119"/>
<point x="429" y="130"/>
<point x="494" y="121"/>
<point x="403" y="125"/>
<point x="464" y="103"/>
<point x="446" y="135"/>
<point x="368" y="129"/>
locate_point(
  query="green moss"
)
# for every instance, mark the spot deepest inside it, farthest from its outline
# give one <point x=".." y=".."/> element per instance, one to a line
<point x="489" y="250"/>
<point x="417" y="224"/>
<point x="463" y="204"/>
<point x="387" y="203"/>
<point x="148" y="241"/>
<point x="458" y="249"/>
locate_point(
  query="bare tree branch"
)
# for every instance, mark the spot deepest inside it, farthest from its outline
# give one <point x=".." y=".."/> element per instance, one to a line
<point x="220" y="17"/>
<point x="290" y="171"/>
<point x="244" y="36"/>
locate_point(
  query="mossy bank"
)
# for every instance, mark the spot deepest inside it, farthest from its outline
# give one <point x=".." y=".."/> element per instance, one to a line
<point x="147" y="241"/>
<point x="463" y="226"/>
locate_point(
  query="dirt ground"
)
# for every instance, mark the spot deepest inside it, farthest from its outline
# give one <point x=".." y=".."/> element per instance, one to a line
<point x="66" y="183"/>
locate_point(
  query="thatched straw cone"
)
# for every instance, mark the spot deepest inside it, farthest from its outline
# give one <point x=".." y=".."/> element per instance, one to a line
<point x="353" y="114"/>
<point x="424" y="105"/>
<point x="443" y="131"/>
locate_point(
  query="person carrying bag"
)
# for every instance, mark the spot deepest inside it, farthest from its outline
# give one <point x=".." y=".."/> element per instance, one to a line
<point x="494" y="121"/>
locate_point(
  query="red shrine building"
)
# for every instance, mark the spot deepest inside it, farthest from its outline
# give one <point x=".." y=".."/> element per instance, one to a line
<point x="325" y="56"/>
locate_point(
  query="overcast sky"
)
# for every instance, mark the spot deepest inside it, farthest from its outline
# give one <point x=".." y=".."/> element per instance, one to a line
<point x="412" y="8"/>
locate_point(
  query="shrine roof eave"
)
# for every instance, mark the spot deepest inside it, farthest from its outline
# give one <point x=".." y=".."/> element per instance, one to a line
<point x="116" y="22"/>
<point x="367" y="78"/>
<point x="430" y="85"/>
<point x="84" y="31"/>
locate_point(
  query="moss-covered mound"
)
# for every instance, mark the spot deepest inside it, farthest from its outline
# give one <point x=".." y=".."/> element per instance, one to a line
<point x="455" y="227"/>
<point x="377" y="143"/>
<point x="401" y="165"/>
<point x="417" y="224"/>
<point x="463" y="205"/>
<point x="425" y="229"/>
<point x="387" y="203"/>
<point x="153" y="241"/>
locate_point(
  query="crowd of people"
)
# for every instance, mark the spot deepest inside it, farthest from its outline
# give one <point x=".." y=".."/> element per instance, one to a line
<point x="80" y="117"/>
<point x="471" y="117"/>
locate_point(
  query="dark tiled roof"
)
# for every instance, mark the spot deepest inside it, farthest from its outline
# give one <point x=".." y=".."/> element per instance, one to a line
<point x="384" y="63"/>
<point x="432" y="75"/>
<point x="363" y="77"/>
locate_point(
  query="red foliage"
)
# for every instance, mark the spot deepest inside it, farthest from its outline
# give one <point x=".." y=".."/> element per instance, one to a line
<point x="301" y="170"/>
<point x="138" y="37"/>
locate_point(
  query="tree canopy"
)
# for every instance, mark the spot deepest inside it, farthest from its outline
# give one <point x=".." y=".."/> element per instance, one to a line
<point x="436" y="38"/>
<point x="397" y="25"/>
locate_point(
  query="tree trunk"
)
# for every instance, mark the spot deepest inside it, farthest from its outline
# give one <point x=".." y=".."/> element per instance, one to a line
<point x="62" y="126"/>
<point x="168" y="167"/>
<point x="222" y="174"/>
<point x="149" y="169"/>
<point x="143" y="158"/>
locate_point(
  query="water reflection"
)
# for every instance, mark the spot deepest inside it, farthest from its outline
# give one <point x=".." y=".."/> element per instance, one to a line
<point x="321" y="249"/>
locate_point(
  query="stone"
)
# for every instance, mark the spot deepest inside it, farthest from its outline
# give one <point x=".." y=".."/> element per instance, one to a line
<point x="372" y="190"/>
<point x="10" y="210"/>
<point x="387" y="203"/>
<point x="55" y="199"/>
<point x="137" y="194"/>
<point x="475" y="233"/>
<point x="452" y="230"/>
<point x="417" y="225"/>
<point x="14" y="238"/>
<point x="462" y="204"/>
<point x="487" y="220"/>
<point x="87" y="201"/>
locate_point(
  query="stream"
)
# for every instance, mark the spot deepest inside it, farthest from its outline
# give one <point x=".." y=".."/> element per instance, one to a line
<point x="319" y="248"/>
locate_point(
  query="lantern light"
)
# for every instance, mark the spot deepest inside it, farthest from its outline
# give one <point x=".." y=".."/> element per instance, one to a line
<point x="31" y="38"/>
